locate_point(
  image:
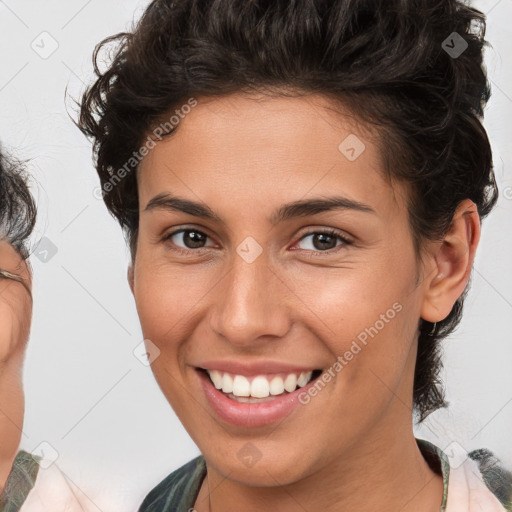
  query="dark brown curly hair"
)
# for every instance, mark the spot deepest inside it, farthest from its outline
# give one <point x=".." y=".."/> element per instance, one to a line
<point x="387" y="61"/>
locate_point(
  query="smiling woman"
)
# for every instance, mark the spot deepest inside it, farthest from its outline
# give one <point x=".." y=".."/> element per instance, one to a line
<point x="17" y="218"/>
<point x="308" y="229"/>
<point x="27" y="484"/>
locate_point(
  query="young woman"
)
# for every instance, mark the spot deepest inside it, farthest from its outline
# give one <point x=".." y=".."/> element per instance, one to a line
<point x="302" y="184"/>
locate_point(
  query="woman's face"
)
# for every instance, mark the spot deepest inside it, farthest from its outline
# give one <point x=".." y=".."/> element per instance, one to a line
<point x="15" y="302"/>
<point x="230" y="278"/>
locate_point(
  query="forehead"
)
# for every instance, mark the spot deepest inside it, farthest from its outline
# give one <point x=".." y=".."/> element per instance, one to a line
<point x="269" y="149"/>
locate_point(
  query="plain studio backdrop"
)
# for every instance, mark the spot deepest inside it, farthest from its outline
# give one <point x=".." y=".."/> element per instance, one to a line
<point x="89" y="400"/>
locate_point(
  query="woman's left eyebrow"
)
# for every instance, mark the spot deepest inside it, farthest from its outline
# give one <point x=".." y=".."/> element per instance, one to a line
<point x="299" y="208"/>
<point x="314" y="206"/>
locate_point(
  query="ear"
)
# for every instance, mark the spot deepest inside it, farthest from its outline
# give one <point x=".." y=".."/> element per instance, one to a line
<point x="131" y="277"/>
<point x="452" y="261"/>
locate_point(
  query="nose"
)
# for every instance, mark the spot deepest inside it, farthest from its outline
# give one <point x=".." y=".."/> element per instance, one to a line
<point x="250" y="306"/>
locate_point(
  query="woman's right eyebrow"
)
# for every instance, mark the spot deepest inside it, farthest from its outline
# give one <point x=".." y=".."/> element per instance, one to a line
<point x="300" y="208"/>
<point x="165" y="201"/>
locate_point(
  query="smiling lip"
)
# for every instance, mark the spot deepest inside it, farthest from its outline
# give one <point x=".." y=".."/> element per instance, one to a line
<point x="245" y="414"/>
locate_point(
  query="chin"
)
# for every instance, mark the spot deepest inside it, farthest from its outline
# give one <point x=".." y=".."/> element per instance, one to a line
<point x="253" y="464"/>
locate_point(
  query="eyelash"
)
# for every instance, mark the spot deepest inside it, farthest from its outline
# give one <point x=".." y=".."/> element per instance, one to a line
<point x="330" y="232"/>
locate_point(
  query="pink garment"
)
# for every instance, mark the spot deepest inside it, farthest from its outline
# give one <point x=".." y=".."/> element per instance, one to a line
<point x="467" y="491"/>
<point x="53" y="492"/>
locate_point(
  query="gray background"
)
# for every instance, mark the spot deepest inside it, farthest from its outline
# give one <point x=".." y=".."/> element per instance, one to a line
<point x="87" y="395"/>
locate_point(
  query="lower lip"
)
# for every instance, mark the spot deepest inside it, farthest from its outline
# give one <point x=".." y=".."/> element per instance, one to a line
<point x="251" y="415"/>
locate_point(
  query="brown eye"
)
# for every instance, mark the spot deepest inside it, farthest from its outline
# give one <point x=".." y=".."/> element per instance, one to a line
<point x="188" y="239"/>
<point x="323" y="241"/>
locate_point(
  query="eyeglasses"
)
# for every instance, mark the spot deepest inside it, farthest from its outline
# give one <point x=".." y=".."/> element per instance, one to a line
<point x="15" y="277"/>
<point x="9" y="275"/>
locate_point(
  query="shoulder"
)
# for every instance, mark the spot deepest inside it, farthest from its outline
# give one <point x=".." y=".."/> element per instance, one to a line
<point x="177" y="491"/>
<point x="469" y="479"/>
<point x="36" y="485"/>
<point x="20" y="482"/>
<point x="497" y="478"/>
<point x="53" y="490"/>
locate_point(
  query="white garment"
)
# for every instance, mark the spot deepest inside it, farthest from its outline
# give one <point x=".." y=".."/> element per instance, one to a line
<point x="53" y="492"/>
<point x="467" y="492"/>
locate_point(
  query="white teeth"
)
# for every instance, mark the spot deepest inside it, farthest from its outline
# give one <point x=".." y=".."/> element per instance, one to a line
<point x="304" y="378"/>
<point x="216" y="378"/>
<point x="260" y="386"/>
<point x="241" y="386"/>
<point x="276" y="386"/>
<point x="290" y="383"/>
<point x="227" y="383"/>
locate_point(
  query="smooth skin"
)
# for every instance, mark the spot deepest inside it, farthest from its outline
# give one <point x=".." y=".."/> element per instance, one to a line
<point x="15" y="320"/>
<point x="352" y="447"/>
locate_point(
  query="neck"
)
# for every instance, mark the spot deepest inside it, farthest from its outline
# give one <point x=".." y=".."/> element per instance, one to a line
<point x="384" y="472"/>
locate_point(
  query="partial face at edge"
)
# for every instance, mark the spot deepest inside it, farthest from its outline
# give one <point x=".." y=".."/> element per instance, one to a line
<point x="15" y="301"/>
<point x="302" y="302"/>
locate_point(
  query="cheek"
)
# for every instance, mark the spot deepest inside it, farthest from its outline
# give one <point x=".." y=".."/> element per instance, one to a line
<point x="348" y="301"/>
<point x="170" y="304"/>
<point x="368" y="318"/>
<point x="162" y="296"/>
<point x="16" y="314"/>
<point x="6" y="334"/>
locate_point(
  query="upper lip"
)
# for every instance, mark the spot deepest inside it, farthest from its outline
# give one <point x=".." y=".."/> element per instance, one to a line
<point x="254" y="368"/>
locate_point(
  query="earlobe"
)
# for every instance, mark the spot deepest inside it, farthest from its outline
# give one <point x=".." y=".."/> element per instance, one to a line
<point x="452" y="263"/>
